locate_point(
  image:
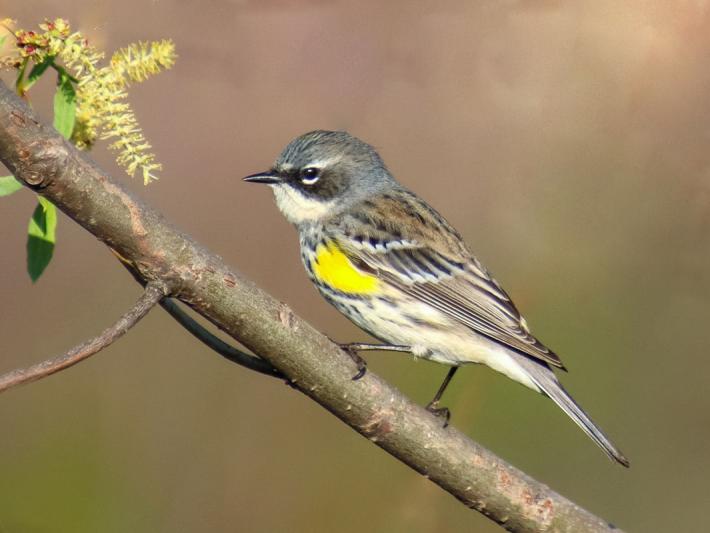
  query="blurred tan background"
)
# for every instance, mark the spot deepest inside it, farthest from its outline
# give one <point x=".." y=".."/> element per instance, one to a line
<point x="570" y="144"/>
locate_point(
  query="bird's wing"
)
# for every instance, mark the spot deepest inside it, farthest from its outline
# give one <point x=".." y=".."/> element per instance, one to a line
<point x="443" y="274"/>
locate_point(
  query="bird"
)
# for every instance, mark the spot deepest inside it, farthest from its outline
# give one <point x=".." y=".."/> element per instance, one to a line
<point x="394" y="266"/>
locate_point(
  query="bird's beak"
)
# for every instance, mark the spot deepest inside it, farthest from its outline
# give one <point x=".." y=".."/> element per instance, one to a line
<point x="269" y="178"/>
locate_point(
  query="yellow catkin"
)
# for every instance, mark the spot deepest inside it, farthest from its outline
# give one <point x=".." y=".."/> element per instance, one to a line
<point x="102" y="109"/>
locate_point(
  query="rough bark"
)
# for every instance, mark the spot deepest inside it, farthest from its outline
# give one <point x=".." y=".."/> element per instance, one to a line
<point x="42" y="160"/>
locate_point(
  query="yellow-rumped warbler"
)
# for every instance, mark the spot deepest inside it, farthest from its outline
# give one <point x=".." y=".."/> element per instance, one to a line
<point x="390" y="263"/>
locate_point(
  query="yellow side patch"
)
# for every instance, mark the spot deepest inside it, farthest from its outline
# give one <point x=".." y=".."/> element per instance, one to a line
<point x="334" y="268"/>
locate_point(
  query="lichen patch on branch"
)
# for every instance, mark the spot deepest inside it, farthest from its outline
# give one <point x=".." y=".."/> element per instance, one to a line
<point x="286" y="317"/>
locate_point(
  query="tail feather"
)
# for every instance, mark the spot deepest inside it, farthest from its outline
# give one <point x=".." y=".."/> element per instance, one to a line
<point x="545" y="378"/>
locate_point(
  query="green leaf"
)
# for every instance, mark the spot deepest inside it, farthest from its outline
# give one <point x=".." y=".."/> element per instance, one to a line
<point x="64" y="71"/>
<point x="64" y="105"/>
<point x="37" y="71"/>
<point x="8" y="185"/>
<point x="41" y="236"/>
<point x="19" y="82"/>
<point x="2" y="39"/>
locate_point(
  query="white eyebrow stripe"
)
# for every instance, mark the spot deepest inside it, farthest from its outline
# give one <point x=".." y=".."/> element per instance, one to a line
<point x="322" y="163"/>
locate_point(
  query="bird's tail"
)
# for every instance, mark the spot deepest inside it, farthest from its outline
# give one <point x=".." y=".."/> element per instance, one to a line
<point x="549" y="385"/>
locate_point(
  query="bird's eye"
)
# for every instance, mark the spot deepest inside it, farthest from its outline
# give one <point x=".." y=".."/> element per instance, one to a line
<point x="310" y="175"/>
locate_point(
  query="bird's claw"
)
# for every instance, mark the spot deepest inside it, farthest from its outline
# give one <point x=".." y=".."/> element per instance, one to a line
<point x="357" y="359"/>
<point x="439" y="412"/>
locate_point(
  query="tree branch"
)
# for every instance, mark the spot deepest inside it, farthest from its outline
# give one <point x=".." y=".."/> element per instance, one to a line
<point x="152" y="294"/>
<point x="244" y="359"/>
<point x="39" y="157"/>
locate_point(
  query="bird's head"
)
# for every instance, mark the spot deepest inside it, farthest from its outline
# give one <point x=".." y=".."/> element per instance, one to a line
<point x="323" y="173"/>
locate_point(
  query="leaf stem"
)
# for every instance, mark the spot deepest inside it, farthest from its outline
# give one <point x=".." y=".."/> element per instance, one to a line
<point x="19" y="83"/>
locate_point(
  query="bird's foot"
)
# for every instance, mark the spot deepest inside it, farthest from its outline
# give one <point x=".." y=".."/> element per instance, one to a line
<point x="439" y="412"/>
<point x="352" y="351"/>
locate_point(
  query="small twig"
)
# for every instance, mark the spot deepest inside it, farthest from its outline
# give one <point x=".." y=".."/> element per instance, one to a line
<point x="152" y="294"/>
<point x="227" y="351"/>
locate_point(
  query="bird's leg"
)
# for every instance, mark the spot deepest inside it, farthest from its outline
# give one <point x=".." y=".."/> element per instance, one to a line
<point x="352" y="349"/>
<point x="368" y="347"/>
<point x="433" y="406"/>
